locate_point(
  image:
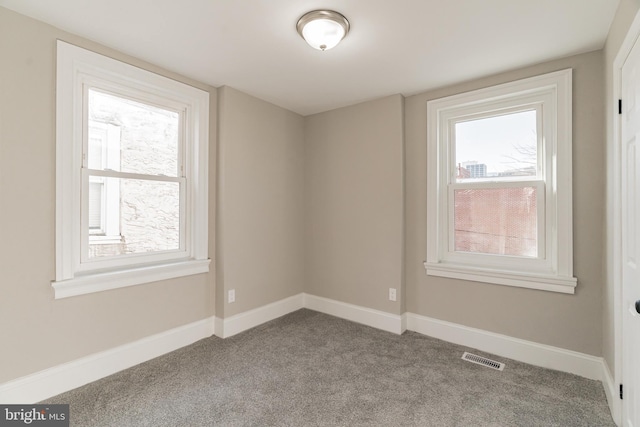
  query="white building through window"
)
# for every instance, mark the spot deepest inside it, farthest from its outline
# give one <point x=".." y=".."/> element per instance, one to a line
<point x="499" y="184"/>
<point x="132" y="173"/>
<point x="104" y="197"/>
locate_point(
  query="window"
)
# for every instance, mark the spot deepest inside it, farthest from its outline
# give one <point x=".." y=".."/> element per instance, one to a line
<point x="499" y="185"/>
<point x="131" y="175"/>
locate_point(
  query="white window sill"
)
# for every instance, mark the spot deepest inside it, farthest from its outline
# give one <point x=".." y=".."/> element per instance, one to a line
<point x="105" y="280"/>
<point x="561" y="284"/>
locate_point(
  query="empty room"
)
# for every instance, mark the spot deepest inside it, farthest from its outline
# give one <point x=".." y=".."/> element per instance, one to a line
<point x="341" y="213"/>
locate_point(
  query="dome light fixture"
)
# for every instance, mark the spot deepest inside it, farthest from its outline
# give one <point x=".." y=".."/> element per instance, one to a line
<point x="322" y="29"/>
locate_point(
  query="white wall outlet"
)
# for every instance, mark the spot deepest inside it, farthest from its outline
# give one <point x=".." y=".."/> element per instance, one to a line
<point x="392" y="294"/>
<point x="232" y="296"/>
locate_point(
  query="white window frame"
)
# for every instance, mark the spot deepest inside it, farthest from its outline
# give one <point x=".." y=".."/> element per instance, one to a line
<point x="77" y="70"/>
<point x="550" y="96"/>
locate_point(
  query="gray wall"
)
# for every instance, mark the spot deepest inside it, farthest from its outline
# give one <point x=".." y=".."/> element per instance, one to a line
<point x="260" y="203"/>
<point x="567" y="321"/>
<point x="36" y="331"/>
<point x="627" y="10"/>
<point x="354" y="203"/>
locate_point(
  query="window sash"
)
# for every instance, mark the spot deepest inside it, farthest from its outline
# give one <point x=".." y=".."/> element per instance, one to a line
<point x="87" y="263"/>
<point x="497" y="111"/>
<point x="496" y="260"/>
<point x="542" y="182"/>
<point x="126" y="92"/>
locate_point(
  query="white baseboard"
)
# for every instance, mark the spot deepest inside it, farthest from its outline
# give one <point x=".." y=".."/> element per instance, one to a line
<point x="611" y="390"/>
<point x="546" y="356"/>
<point x="50" y="382"/>
<point x="233" y="325"/>
<point x="355" y="313"/>
<point x="530" y="352"/>
<point x="403" y="322"/>
<point x="218" y="323"/>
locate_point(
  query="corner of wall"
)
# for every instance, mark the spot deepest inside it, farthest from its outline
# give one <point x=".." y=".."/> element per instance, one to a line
<point x="219" y="217"/>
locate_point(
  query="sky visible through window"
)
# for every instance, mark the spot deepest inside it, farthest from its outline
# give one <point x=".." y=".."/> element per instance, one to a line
<point x="506" y="144"/>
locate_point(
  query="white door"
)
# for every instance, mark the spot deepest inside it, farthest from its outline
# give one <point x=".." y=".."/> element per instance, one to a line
<point x="631" y="238"/>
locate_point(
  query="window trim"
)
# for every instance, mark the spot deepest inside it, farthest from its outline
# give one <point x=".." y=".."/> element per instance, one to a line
<point x="75" y="67"/>
<point x="555" y="273"/>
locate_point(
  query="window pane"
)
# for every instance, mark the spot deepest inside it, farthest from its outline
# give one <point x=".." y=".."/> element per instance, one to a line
<point x="129" y="136"/>
<point x="500" y="146"/>
<point x="501" y="221"/>
<point x="148" y="217"/>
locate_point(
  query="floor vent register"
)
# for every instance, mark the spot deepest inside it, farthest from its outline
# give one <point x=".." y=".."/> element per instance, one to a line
<point x="483" y="361"/>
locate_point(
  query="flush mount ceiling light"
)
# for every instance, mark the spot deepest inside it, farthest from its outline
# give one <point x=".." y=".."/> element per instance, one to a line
<point x="323" y="29"/>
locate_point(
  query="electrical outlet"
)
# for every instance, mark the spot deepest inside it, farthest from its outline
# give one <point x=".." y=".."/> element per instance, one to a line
<point x="232" y="296"/>
<point x="392" y="294"/>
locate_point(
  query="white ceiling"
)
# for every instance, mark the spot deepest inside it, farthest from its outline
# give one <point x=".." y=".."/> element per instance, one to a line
<point x="401" y="46"/>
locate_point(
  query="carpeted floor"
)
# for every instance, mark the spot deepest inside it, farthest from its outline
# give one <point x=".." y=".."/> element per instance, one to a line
<point x="310" y="369"/>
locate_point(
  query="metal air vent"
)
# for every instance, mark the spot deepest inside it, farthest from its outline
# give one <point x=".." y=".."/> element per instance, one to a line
<point x="483" y="361"/>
